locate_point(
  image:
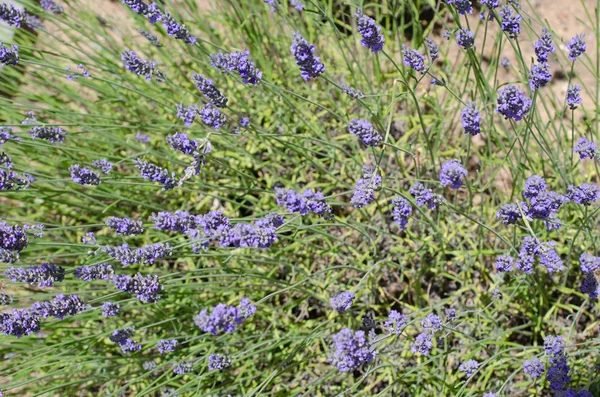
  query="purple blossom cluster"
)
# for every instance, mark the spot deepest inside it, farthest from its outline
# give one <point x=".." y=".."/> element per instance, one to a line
<point x="469" y="367"/>
<point x="590" y="266"/>
<point x="462" y="6"/>
<point x="212" y="116"/>
<point x="434" y="51"/>
<point x="533" y="368"/>
<point x="13" y="240"/>
<point x="209" y="90"/>
<point x="471" y="119"/>
<point x="151" y="38"/>
<point x="425" y="197"/>
<point x="83" y="175"/>
<point x="424" y="341"/>
<point x="9" y="56"/>
<point x="141" y="67"/>
<point x="573" y="96"/>
<point x="178" y="221"/>
<point x="146" y="255"/>
<point x="146" y="288"/>
<point x="51" y="6"/>
<point x="544" y="46"/>
<point x="364" y="190"/>
<point x="465" y="38"/>
<point x="110" y="309"/>
<point x="576" y="47"/>
<point x="585" y="194"/>
<point x="372" y="37"/>
<point x="351" y="350"/>
<point x="224" y="318"/>
<point x="401" y="211"/>
<point x="12" y="16"/>
<point x="44" y="275"/>
<point x="532" y="248"/>
<point x="182" y="143"/>
<point x="177" y="30"/>
<point x="452" y="174"/>
<point x="125" y="226"/>
<point x="309" y="64"/>
<point x="104" y="165"/>
<point x="511" y="23"/>
<point x="413" y="59"/>
<point x="540" y="76"/>
<point x="71" y="75"/>
<point x="59" y="307"/>
<point x="365" y="131"/>
<point x="184" y="367"/>
<point x="542" y="204"/>
<point x="123" y="338"/>
<point x="149" y="11"/>
<point x="586" y="149"/>
<point x="51" y="134"/>
<point x="238" y="61"/>
<point x="155" y="173"/>
<point x="342" y="301"/>
<point x="395" y="322"/>
<point x="165" y="346"/>
<point x="218" y="362"/>
<point x="512" y="103"/>
<point x="352" y="92"/>
<point x="309" y="201"/>
<point x="100" y="271"/>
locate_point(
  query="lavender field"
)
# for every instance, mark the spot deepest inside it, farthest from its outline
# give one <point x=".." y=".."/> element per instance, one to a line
<point x="299" y="198"/>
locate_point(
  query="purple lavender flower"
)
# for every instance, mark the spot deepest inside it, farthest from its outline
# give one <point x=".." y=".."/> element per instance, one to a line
<point x="549" y="258"/>
<point x="183" y="367"/>
<point x="465" y="38"/>
<point x="585" y="194"/>
<point x="44" y="275"/>
<point x="351" y="350"/>
<point x="166" y="345"/>
<point x="512" y="103"/>
<point x="469" y="367"/>
<point x="218" y="362"/>
<point x="89" y="238"/>
<point x="241" y="235"/>
<point x="434" y="51"/>
<point x="490" y="394"/>
<point x="244" y="122"/>
<point x="146" y="288"/>
<point x="154" y="173"/>
<point x="12" y="16"/>
<point x="395" y="322"/>
<point x="526" y="259"/>
<point x="591" y="286"/>
<point x="413" y="59"/>
<point x="84" y="73"/>
<point x="101" y="271"/>
<point x="10" y="180"/>
<point x="533" y="368"/>
<point x="59" y="307"/>
<point x="452" y="174"/>
<point x="422" y="344"/>
<point x="48" y="133"/>
<point x="19" y="322"/>
<point x="178" y="221"/>
<point x="6" y="134"/>
<point x="215" y="225"/>
<point x="211" y="116"/>
<point x="240" y="62"/>
<point x="297" y="4"/>
<point x="209" y="90"/>
<point x="508" y="213"/>
<point x="149" y="365"/>
<point x="110" y="309"/>
<point x="182" y="143"/>
<point x="446" y="34"/>
<point x="370" y="32"/>
<point x="544" y="46"/>
<point x="123" y="338"/>
<point x="177" y="30"/>
<point x="265" y="229"/>
<point x="589" y="263"/>
<point x="246" y="309"/>
<point x="462" y="6"/>
<point x="308" y="201"/>
<point x="534" y="186"/>
<point x="151" y="12"/>
<point x="83" y="175"/>
<point x="141" y="67"/>
<point x="272" y="4"/>
<point x="471" y="119"/>
<point x="431" y="323"/>
<point x="342" y="301"/>
<point x="364" y="190"/>
<point x="491" y="4"/>
<point x="151" y="38"/>
<point x="511" y="24"/>
<point x="576" y="47"/>
<point x="35" y="23"/>
<point x="222" y="318"/>
<point x="187" y="115"/>
<point x="365" y="131"/>
<point x="125" y="226"/>
<point x="401" y="211"/>
<point x="558" y="372"/>
<point x="143" y="138"/>
<point x="425" y="196"/>
<point x="103" y="165"/>
<point x="573" y="96"/>
<point x="450" y="313"/>
<point x="585" y="149"/>
<point x="9" y="55"/>
<point x="310" y="65"/>
<point x="504" y="62"/>
<point x="540" y="76"/>
<point x="504" y="263"/>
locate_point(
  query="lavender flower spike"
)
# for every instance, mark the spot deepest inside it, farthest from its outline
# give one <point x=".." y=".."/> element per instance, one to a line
<point x="9" y="56"/>
<point x="310" y="65"/>
<point x="370" y="32"/>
